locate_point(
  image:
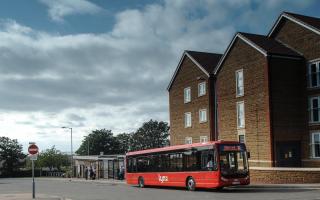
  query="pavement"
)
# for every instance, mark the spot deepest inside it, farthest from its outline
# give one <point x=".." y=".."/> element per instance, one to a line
<point x="28" y="196"/>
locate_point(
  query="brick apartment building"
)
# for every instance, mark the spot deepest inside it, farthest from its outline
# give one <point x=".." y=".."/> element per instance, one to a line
<point x="260" y="98"/>
<point x="264" y="91"/>
<point x="191" y="98"/>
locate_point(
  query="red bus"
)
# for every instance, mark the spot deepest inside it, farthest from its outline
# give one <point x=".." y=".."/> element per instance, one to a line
<point x="215" y="164"/>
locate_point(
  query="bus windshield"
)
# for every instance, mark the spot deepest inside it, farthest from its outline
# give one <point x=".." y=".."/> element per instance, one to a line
<point x="233" y="161"/>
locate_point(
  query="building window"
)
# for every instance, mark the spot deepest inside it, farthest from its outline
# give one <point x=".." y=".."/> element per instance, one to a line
<point x="242" y="138"/>
<point x="240" y="114"/>
<point x="239" y="83"/>
<point x="315" y="145"/>
<point x="203" y="115"/>
<point x="187" y="119"/>
<point x="201" y="89"/>
<point x="314" y="111"/>
<point x="314" y="74"/>
<point x="187" y="95"/>
<point x="203" y="139"/>
<point x="188" y="140"/>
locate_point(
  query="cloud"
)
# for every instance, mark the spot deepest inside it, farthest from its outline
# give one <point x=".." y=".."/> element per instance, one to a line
<point x="58" y="9"/>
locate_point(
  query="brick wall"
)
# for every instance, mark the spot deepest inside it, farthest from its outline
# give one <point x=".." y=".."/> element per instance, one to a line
<point x="188" y="76"/>
<point x="284" y="176"/>
<point x="307" y="43"/>
<point x="299" y="38"/>
<point x="289" y="108"/>
<point x="288" y="101"/>
<point x="256" y="101"/>
<point x="310" y="162"/>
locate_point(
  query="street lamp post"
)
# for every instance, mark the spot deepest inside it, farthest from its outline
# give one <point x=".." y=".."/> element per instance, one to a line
<point x="71" y="150"/>
<point x="88" y="146"/>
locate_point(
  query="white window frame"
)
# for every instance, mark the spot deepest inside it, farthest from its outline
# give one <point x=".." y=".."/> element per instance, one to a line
<point x="186" y="124"/>
<point x="202" y="92"/>
<point x="239" y="93"/>
<point x="203" y="139"/>
<point x="186" y="95"/>
<point x="313" y="153"/>
<point x="188" y="140"/>
<point x="317" y="63"/>
<point x="311" y="120"/>
<point x="238" y="116"/>
<point x="206" y="116"/>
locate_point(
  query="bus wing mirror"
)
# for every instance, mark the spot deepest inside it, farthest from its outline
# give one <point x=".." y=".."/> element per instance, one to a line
<point x="248" y="153"/>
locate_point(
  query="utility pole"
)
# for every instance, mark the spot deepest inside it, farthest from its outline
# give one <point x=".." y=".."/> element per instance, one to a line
<point x="88" y="145"/>
<point x="64" y="127"/>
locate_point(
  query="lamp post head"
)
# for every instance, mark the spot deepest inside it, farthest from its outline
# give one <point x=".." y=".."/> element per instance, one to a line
<point x="66" y="127"/>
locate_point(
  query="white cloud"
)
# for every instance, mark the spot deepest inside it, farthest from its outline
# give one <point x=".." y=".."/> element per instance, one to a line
<point x="58" y="9"/>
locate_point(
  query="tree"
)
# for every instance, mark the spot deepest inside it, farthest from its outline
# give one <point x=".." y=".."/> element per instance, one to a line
<point x="99" y="141"/>
<point x="151" y="134"/>
<point x="52" y="158"/>
<point x="11" y="156"/>
<point x="124" y="142"/>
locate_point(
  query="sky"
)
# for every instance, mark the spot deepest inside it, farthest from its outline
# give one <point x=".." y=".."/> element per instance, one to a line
<point x="93" y="64"/>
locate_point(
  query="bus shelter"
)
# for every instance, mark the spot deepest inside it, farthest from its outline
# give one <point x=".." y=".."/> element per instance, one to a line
<point x="105" y="166"/>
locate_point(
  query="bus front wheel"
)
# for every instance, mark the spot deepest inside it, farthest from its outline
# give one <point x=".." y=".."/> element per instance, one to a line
<point x="141" y="182"/>
<point x="191" y="184"/>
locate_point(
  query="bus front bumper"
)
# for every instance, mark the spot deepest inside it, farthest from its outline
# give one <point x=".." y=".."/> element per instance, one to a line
<point x="234" y="181"/>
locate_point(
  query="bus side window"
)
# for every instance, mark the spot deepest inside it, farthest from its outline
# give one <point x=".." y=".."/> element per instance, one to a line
<point x="134" y="165"/>
<point x="144" y="164"/>
<point x="175" y="162"/>
<point x="153" y="164"/>
<point x="208" y="160"/>
<point x="190" y="161"/>
<point x="179" y="162"/>
<point x="164" y="162"/>
<point x="130" y="164"/>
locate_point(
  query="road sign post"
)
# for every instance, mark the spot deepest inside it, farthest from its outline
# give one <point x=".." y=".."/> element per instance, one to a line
<point x="33" y="151"/>
<point x="33" y="183"/>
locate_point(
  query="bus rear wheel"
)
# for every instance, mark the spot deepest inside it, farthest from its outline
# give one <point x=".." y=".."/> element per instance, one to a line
<point x="191" y="184"/>
<point x="141" y="182"/>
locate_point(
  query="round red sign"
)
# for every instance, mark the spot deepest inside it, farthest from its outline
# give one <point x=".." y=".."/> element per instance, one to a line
<point x="33" y="149"/>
